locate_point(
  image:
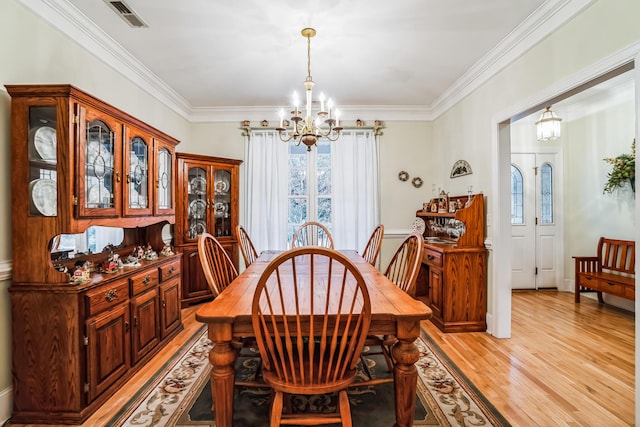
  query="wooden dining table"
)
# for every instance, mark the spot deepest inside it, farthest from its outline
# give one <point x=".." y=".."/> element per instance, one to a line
<point x="393" y="312"/>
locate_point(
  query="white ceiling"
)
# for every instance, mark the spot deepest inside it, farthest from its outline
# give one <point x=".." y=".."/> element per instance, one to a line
<point x="406" y="55"/>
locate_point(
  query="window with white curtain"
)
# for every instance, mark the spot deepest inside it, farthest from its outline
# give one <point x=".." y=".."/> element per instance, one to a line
<point x="336" y="184"/>
<point x="310" y="197"/>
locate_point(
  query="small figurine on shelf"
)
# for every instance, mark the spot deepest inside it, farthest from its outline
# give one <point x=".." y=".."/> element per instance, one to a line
<point x="110" y="265"/>
<point x="443" y="202"/>
<point x="149" y="253"/>
<point x="167" y="250"/>
<point x="81" y="273"/>
<point x="139" y="252"/>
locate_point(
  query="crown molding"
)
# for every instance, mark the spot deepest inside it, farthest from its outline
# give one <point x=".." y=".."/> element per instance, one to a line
<point x="551" y="15"/>
<point x="348" y="113"/>
<point x="69" y="20"/>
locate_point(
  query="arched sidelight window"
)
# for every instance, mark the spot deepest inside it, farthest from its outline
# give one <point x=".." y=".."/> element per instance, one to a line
<point x="517" y="196"/>
<point x="546" y="194"/>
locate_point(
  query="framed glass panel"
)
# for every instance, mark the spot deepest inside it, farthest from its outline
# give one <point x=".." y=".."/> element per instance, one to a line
<point x="546" y="194"/>
<point x="163" y="194"/>
<point x="138" y="176"/>
<point x="42" y="145"/>
<point x="517" y="196"/>
<point x="197" y="209"/>
<point x="222" y="203"/>
<point x="99" y="166"/>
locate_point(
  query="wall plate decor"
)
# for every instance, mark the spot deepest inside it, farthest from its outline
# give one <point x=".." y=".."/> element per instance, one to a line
<point x="417" y="182"/>
<point x="460" y="168"/>
<point x="403" y="176"/>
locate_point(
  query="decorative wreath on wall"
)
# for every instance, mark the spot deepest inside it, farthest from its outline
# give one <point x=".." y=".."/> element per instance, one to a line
<point x="403" y="176"/>
<point x="417" y="182"/>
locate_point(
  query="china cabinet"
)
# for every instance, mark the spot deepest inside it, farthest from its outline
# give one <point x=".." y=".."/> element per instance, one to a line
<point x="80" y="329"/>
<point x="453" y="275"/>
<point x="208" y="189"/>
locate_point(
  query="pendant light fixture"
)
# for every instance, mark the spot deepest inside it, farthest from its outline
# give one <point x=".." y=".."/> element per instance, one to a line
<point x="548" y="126"/>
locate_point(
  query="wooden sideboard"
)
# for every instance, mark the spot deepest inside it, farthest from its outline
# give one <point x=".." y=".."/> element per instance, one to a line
<point x="453" y="275"/>
<point x="78" y="162"/>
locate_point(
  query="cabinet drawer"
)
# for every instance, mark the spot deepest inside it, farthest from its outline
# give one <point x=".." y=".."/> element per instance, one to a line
<point x="590" y="282"/>
<point x="612" y="288"/>
<point x="432" y="257"/>
<point x="106" y="296"/>
<point x="169" y="270"/>
<point x="143" y="281"/>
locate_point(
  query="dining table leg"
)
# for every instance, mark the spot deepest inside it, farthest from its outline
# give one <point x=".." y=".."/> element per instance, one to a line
<point x="405" y="377"/>
<point x="222" y="357"/>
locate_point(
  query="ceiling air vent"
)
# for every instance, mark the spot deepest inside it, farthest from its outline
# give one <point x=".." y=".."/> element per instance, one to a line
<point x="126" y="13"/>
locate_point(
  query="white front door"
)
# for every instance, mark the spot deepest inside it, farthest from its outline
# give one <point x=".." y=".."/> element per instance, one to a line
<point x="536" y="247"/>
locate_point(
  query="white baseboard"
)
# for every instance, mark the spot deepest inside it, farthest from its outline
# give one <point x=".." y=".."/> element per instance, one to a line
<point x="6" y="398"/>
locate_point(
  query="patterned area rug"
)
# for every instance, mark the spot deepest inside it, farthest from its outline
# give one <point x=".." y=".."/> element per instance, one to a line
<point x="179" y="395"/>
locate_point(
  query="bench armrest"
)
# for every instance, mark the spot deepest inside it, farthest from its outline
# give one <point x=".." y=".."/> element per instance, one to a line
<point x="586" y="264"/>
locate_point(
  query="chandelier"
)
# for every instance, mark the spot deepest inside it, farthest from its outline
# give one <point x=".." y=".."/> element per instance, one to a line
<point x="548" y="126"/>
<point x="307" y="129"/>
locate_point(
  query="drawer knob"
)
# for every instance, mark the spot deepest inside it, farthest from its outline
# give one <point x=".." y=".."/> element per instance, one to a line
<point x="146" y="280"/>
<point x="430" y="257"/>
<point x="172" y="269"/>
<point x="111" y="295"/>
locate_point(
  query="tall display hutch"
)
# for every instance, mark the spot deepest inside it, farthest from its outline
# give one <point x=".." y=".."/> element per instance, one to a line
<point x="208" y="193"/>
<point x="79" y="162"/>
<point x="453" y="276"/>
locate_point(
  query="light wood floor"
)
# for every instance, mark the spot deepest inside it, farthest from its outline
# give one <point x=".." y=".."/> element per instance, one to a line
<point x="565" y="365"/>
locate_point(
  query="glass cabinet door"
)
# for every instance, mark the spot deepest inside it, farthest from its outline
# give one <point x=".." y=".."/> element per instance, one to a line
<point x="136" y="163"/>
<point x="99" y="156"/>
<point x="198" y="202"/>
<point x="43" y="192"/>
<point x="222" y="203"/>
<point x="164" y="199"/>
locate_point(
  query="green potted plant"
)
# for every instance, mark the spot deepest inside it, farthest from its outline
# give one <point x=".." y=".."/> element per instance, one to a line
<point x="624" y="170"/>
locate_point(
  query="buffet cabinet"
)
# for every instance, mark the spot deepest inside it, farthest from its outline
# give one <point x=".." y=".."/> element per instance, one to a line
<point x="453" y="274"/>
<point x="78" y="162"/>
<point x="73" y="346"/>
<point x="208" y="193"/>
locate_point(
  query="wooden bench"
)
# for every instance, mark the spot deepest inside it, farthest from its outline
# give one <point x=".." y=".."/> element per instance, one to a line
<point x="611" y="271"/>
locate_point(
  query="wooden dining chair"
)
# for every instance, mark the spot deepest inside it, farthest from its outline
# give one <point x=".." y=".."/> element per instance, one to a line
<point x="314" y="355"/>
<point x="403" y="271"/>
<point x="312" y="234"/>
<point x="216" y="264"/>
<point x="246" y="246"/>
<point x="220" y="272"/>
<point x="372" y="249"/>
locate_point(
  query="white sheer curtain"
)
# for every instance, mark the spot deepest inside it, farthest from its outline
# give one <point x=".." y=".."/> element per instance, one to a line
<point x="355" y="187"/>
<point x="266" y="190"/>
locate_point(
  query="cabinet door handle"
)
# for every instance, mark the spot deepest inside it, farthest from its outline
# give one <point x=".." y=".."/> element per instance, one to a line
<point x="127" y="327"/>
<point x="128" y="178"/>
<point x="135" y="322"/>
<point x="164" y="303"/>
<point x="157" y="183"/>
<point x="111" y="295"/>
<point x="117" y="176"/>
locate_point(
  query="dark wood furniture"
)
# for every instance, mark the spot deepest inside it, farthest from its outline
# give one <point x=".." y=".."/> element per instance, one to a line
<point x="79" y="162"/>
<point x="310" y="357"/>
<point x="453" y="276"/>
<point x="312" y="234"/>
<point x="611" y="271"/>
<point x="393" y="312"/>
<point x="207" y="202"/>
